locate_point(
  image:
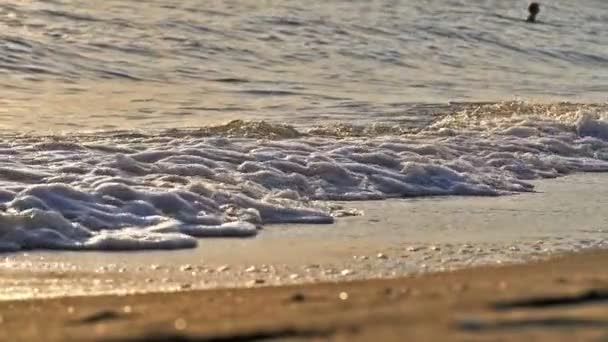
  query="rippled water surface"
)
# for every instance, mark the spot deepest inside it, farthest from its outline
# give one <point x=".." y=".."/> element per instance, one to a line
<point x="73" y="65"/>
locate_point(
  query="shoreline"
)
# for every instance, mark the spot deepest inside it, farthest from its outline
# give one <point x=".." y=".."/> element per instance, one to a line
<point x="438" y="234"/>
<point x="558" y="299"/>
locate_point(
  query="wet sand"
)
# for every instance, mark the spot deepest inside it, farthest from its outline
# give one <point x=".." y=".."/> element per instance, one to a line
<point x="563" y="299"/>
<point x="391" y="239"/>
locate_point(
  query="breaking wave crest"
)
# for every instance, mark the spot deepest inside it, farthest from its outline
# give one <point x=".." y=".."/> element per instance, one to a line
<point x="162" y="190"/>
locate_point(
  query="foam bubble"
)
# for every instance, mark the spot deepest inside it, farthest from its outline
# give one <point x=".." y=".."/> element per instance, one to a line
<point x="137" y="190"/>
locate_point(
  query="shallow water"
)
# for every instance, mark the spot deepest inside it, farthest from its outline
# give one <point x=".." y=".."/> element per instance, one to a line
<point x="74" y="65"/>
<point x="132" y="190"/>
<point x="415" y="235"/>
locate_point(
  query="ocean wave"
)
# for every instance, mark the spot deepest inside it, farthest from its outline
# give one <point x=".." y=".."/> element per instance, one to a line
<point x="146" y="190"/>
<point x="340" y="60"/>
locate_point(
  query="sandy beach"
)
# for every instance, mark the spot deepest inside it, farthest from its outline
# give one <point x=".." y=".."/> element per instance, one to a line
<point x="562" y="299"/>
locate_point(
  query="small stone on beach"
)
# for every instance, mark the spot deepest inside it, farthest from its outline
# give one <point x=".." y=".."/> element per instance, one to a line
<point x="256" y="282"/>
<point x="346" y="272"/>
<point x="381" y="256"/>
<point x="297" y="297"/>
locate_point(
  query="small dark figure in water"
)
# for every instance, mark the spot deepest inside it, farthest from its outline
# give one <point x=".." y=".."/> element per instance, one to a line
<point x="534" y="8"/>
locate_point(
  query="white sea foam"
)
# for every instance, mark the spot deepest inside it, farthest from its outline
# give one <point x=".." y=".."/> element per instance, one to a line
<point x="133" y="190"/>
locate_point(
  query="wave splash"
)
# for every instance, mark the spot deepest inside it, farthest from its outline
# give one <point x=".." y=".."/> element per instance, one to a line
<point x="163" y="190"/>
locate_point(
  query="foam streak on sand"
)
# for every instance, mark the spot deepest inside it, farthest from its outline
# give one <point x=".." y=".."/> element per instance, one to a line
<point x="133" y="190"/>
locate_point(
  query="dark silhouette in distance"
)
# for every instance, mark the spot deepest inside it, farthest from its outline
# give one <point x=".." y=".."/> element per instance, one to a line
<point x="534" y="9"/>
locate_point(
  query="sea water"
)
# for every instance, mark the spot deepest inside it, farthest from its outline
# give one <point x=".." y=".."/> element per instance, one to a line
<point x="130" y="125"/>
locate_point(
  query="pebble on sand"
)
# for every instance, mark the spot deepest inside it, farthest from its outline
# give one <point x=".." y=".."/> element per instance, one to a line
<point x="185" y="268"/>
<point x="223" y="268"/>
<point x="297" y="297"/>
<point x="346" y="272"/>
<point x="381" y="256"/>
<point x="256" y="282"/>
